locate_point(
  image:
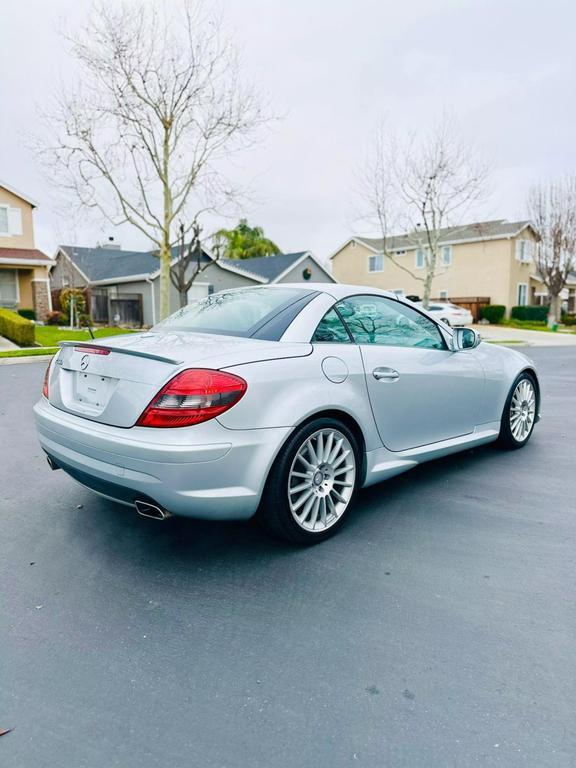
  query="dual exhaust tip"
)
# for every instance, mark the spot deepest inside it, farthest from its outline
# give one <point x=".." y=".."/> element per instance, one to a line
<point x="148" y="509"/>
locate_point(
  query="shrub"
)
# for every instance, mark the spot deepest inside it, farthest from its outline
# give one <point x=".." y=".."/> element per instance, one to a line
<point x="56" y="318"/>
<point x="29" y="314"/>
<point x="530" y="313"/>
<point x="494" y="313"/>
<point x="85" y="321"/>
<point x="569" y="319"/>
<point x="79" y="300"/>
<point x="17" y="329"/>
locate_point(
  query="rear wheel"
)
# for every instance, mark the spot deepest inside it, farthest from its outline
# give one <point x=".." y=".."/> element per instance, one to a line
<point x="312" y="483"/>
<point x="519" y="414"/>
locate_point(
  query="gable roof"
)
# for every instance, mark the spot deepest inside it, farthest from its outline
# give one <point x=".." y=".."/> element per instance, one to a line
<point x="267" y="268"/>
<point x="100" y="265"/>
<point x="19" y="194"/>
<point x="479" y="230"/>
<point x="110" y="263"/>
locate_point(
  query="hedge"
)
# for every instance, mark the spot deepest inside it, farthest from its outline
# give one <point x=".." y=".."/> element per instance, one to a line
<point x="494" y="313"/>
<point x="29" y="314"/>
<point x="530" y="313"/>
<point x="569" y="319"/>
<point x="16" y="328"/>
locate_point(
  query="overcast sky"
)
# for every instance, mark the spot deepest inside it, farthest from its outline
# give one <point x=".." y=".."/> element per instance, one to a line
<point x="505" y="68"/>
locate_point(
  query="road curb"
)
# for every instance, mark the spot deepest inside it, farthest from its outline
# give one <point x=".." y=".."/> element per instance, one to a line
<point x="29" y="359"/>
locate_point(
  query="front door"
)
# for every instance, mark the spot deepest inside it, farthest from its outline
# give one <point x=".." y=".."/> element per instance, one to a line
<point x="420" y="391"/>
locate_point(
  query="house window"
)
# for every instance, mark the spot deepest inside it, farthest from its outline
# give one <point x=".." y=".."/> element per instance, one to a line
<point x="376" y="263"/>
<point x="420" y="259"/>
<point x="443" y="294"/>
<point x="446" y="255"/>
<point x="8" y="287"/>
<point x="522" y="294"/>
<point x="4" y="225"/>
<point x="524" y="251"/>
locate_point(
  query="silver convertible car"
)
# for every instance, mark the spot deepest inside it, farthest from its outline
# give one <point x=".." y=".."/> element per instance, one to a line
<point x="280" y="401"/>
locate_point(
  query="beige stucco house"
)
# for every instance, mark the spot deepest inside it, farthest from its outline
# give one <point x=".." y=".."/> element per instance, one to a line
<point x="488" y="260"/>
<point x="24" y="270"/>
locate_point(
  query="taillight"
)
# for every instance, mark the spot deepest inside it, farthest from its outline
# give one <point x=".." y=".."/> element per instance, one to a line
<point x="45" y="390"/>
<point x="191" y="397"/>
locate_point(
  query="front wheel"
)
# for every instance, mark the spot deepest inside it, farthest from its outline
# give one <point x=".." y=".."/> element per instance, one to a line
<point x="519" y="415"/>
<point x="312" y="483"/>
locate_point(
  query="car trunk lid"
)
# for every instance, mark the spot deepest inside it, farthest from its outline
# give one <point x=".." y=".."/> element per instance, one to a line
<point x="112" y="380"/>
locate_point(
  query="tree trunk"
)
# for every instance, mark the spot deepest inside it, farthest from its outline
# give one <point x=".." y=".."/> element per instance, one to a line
<point x="165" y="258"/>
<point x="555" y="311"/>
<point x="183" y="298"/>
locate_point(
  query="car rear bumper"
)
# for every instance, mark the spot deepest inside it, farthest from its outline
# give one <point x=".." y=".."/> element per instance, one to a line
<point x="205" y="471"/>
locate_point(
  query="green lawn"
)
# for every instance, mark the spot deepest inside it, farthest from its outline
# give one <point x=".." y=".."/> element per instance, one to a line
<point x="30" y="352"/>
<point x="50" y="335"/>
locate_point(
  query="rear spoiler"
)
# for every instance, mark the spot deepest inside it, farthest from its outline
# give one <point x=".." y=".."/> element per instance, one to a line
<point x="120" y="350"/>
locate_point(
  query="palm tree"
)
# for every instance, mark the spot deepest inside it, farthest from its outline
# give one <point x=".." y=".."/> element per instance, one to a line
<point x="243" y="242"/>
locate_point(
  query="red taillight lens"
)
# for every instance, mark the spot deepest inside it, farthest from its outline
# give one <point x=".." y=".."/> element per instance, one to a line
<point x="92" y="350"/>
<point x="45" y="390"/>
<point x="191" y="397"/>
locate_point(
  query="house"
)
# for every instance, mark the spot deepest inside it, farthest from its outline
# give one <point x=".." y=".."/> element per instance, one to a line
<point x="24" y="270"/>
<point x="124" y="285"/>
<point x="484" y="262"/>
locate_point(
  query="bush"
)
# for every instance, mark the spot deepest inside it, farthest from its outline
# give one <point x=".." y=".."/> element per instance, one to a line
<point x="29" y="314"/>
<point x="17" y="329"/>
<point x="56" y="318"/>
<point x="79" y="300"/>
<point x="494" y="313"/>
<point x="85" y="321"/>
<point x="533" y="314"/>
<point x="569" y="319"/>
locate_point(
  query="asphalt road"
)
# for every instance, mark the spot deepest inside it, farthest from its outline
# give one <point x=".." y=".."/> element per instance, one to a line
<point x="438" y="628"/>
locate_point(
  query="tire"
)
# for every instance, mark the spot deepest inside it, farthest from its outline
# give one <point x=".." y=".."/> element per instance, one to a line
<point x="308" y="496"/>
<point x="520" y="413"/>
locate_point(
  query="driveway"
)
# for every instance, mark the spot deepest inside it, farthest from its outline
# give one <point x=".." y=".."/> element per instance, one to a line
<point x="497" y="333"/>
<point x="437" y="629"/>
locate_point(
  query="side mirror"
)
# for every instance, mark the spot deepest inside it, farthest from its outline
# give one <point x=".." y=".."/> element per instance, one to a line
<point x="465" y="338"/>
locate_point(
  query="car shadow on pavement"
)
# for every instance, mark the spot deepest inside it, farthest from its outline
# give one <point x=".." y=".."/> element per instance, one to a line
<point x="118" y="534"/>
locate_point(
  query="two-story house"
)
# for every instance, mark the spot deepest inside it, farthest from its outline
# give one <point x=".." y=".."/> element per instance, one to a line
<point x="24" y="270"/>
<point x="487" y="260"/>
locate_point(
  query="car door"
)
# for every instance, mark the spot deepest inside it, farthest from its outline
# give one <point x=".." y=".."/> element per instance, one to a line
<point x="420" y="391"/>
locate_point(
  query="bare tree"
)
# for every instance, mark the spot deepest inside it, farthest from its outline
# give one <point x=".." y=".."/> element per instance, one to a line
<point x="420" y="187"/>
<point x="552" y="209"/>
<point x="158" y="107"/>
<point x="189" y="262"/>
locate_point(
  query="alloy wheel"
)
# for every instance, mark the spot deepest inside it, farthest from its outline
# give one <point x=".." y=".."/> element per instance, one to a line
<point x="522" y="410"/>
<point x="321" y="480"/>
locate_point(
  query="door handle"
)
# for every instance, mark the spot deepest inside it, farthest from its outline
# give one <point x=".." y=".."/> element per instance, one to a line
<point x="385" y="374"/>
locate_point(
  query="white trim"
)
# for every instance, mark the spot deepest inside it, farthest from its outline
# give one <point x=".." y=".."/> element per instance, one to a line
<point x="17" y="284"/>
<point x="305" y="255"/>
<point x="21" y="195"/>
<point x="26" y="262"/>
<point x="44" y="280"/>
<point x="356" y="239"/>
<point x="125" y="279"/>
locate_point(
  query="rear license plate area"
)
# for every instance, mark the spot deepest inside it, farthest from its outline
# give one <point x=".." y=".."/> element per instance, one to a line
<point x="92" y="389"/>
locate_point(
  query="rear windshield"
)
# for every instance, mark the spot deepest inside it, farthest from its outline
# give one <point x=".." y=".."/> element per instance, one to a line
<point x="238" y="312"/>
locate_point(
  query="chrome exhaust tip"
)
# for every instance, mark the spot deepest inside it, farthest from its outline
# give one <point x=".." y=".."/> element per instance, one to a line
<point x="147" y="509"/>
<point x="51" y="463"/>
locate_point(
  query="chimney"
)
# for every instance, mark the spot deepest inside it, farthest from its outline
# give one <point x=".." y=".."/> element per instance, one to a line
<point x="110" y="245"/>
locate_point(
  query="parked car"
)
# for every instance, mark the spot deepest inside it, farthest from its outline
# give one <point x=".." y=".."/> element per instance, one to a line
<point x="451" y="314"/>
<point x="278" y="400"/>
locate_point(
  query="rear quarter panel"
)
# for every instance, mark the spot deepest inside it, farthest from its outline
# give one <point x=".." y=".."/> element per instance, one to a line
<point x="286" y="392"/>
<point x="501" y="366"/>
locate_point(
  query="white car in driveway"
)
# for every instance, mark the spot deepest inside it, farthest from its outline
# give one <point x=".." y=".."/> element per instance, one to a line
<point x="451" y="314"/>
<point x="280" y="400"/>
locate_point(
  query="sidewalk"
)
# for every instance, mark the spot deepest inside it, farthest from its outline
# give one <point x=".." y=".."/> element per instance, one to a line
<point x="5" y="345"/>
<point x="497" y="333"/>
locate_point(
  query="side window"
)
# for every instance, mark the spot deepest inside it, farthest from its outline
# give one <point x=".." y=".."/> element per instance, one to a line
<point x="331" y="330"/>
<point x="378" y="320"/>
